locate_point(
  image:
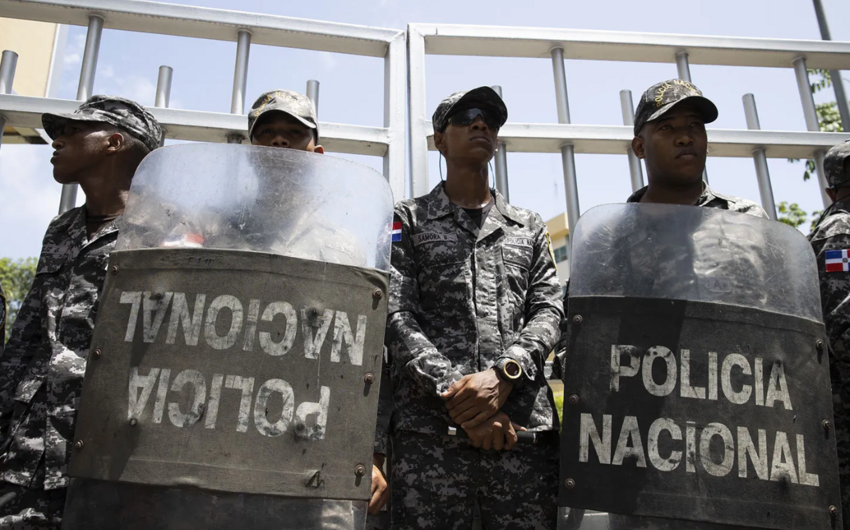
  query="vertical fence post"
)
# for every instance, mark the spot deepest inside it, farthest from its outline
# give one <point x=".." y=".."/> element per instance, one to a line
<point x="568" y="150"/>
<point x="163" y="87"/>
<point x="835" y="75"/>
<point x="502" y="162"/>
<point x="240" y="80"/>
<point x="683" y="66"/>
<point x="84" y="91"/>
<point x="163" y="91"/>
<point x="8" y="63"/>
<point x="812" y="124"/>
<point x="313" y="94"/>
<point x="762" y="172"/>
<point x="635" y="169"/>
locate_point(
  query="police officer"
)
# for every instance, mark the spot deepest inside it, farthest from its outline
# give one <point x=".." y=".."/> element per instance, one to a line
<point x="284" y="118"/>
<point x="831" y="242"/>
<point x="287" y="119"/>
<point x="99" y="146"/>
<point x="670" y="137"/>
<point x="474" y="311"/>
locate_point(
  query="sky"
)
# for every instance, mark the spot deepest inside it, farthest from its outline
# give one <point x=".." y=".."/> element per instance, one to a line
<point x="352" y="89"/>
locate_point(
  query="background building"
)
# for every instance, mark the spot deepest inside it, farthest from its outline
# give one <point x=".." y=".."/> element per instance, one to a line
<point x="559" y="232"/>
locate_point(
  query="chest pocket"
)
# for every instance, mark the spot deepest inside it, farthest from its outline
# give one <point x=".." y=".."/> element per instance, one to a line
<point x="517" y="257"/>
<point x="442" y="271"/>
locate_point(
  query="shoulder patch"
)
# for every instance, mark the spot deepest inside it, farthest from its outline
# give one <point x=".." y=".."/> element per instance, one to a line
<point x="549" y="245"/>
<point x="837" y="260"/>
<point x="432" y="237"/>
<point x="396" y="231"/>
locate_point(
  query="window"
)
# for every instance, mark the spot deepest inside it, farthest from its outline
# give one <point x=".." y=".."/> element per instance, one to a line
<point x="561" y="254"/>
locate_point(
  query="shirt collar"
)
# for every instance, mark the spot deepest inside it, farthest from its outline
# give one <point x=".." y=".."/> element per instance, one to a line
<point x="707" y="196"/>
<point x="439" y="205"/>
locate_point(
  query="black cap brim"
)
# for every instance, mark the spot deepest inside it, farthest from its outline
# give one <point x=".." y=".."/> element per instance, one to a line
<point x="706" y="108"/>
<point x="303" y="121"/>
<point x="482" y="96"/>
<point x="54" y="123"/>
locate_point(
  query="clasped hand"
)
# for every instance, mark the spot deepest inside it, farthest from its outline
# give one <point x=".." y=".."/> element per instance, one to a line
<point x="474" y="403"/>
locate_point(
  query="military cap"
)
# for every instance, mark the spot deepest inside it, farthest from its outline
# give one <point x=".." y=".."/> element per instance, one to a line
<point x="833" y="165"/>
<point x="661" y="97"/>
<point x="481" y="97"/>
<point x="120" y="112"/>
<point x="289" y="102"/>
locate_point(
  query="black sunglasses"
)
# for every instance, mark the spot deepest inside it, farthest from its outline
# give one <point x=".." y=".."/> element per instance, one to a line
<point x="468" y="117"/>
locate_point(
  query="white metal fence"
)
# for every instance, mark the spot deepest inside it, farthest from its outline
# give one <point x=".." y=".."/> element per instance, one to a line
<point x="244" y="29"/>
<point x="388" y="141"/>
<point x="568" y="139"/>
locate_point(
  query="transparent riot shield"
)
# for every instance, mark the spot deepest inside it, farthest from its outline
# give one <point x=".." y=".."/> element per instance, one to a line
<point x="697" y="390"/>
<point x="234" y="369"/>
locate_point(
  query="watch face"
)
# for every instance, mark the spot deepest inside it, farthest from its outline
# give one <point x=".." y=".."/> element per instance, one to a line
<point x="512" y="369"/>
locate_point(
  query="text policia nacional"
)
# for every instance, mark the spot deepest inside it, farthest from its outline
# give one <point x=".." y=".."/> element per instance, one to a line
<point x="196" y="322"/>
<point x="776" y="456"/>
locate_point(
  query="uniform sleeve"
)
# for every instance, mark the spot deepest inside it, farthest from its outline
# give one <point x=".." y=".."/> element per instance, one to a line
<point x="421" y="361"/>
<point x="835" y="296"/>
<point x="543" y="310"/>
<point x="24" y="340"/>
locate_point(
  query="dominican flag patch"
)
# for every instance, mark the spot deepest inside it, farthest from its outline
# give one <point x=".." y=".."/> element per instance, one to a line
<point x="837" y="260"/>
<point x="396" y="232"/>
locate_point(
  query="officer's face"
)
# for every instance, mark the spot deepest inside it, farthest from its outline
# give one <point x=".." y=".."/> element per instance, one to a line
<point x="278" y="129"/>
<point x="475" y="143"/>
<point x="674" y="146"/>
<point x="78" y="148"/>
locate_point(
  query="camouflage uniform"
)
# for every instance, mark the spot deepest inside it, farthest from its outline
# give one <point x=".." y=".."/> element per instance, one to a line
<point x="461" y="298"/>
<point x="41" y="371"/>
<point x="833" y="233"/>
<point x="43" y="366"/>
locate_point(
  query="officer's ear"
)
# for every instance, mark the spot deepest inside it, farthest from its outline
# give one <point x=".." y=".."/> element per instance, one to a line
<point x="439" y="141"/>
<point x="637" y="147"/>
<point x="115" y="142"/>
<point x="319" y="149"/>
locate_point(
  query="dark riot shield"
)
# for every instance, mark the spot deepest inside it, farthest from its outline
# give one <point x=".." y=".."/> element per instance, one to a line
<point x="234" y="371"/>
<point x="697" y="390"/>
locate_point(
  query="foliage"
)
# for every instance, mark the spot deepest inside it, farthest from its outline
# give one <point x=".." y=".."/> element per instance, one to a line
<point x="791" y="214"/>
<point x="828" y="116"/>
<point x="16" y="277"/>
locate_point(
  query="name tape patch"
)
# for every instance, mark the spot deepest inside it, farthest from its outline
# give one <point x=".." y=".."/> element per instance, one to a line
<point x="432" y="237"/>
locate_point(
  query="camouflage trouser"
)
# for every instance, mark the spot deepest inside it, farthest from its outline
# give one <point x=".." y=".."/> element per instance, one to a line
<point x="437" y="479"/>
<point x="29" y="509"/>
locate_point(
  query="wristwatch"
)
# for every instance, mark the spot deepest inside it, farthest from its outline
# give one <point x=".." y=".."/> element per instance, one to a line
<point x="508" y="370"/>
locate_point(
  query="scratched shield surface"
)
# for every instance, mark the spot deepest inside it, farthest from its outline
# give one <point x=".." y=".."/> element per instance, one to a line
<point x="234" y="371"/>
<point x="697" y="387"/>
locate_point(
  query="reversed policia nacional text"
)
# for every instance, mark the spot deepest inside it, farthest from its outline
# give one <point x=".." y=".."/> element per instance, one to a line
<point x="281" y="321"/>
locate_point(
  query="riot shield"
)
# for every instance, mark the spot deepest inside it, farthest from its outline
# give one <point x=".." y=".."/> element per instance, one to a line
<point x="697" y="390"/>
<point x="234" y="369"/>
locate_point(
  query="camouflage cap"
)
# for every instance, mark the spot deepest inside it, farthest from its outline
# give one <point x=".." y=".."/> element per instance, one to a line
<point x="289" y="102"/>
<point x="120" y="112"/>
<point x="481" y="97"/>
<point x="661" y="97"/>
<point x="833" y="165"/>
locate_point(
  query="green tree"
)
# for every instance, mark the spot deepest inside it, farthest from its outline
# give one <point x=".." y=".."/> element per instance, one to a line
<point x="791" y="214"/>
<point x="16" y="276"/>
<point x="828" y="117"/>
